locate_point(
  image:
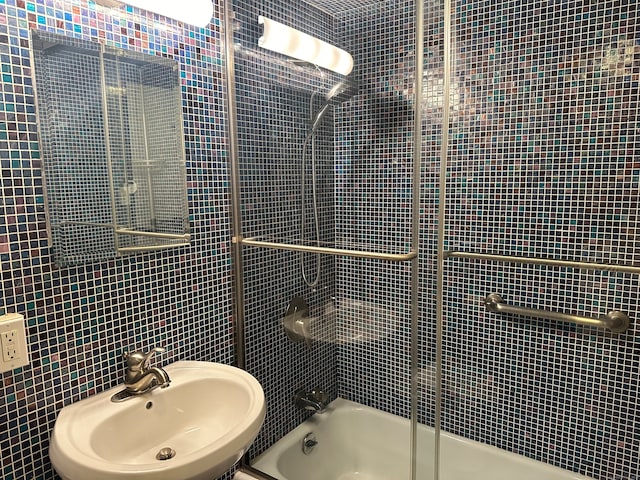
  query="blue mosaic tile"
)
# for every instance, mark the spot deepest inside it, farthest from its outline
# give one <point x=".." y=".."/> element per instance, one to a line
<point x="541" y="163"/>
<point x="273" y="98"/>
<point x="80" y="319"/>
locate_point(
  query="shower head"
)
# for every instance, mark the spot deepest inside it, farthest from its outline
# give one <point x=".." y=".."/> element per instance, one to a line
<point x="339" y="93"/>
<point x="342" y="91"/>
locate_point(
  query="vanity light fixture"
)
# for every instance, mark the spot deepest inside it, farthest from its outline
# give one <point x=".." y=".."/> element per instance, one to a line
<point x="280" y="38"/>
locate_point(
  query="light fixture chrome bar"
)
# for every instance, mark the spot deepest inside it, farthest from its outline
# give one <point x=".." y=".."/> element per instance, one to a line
<point x="169" y="236"/>
<point x="391" y="257"/>
<point x="544" y="261"/>
<point x="150" y="248"/>
<point x="615" y="321"/>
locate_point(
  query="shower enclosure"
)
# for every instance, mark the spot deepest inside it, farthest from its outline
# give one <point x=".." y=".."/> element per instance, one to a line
<point x="512" y="141"/>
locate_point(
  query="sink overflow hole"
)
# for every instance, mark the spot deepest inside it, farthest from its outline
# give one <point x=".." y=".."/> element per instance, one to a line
<point x="165" y="453"/>
<point x="308" y="443"/>
<point x="148" y="405"/>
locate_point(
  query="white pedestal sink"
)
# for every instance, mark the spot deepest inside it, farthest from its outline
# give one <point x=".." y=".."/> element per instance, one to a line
<point x="207" y="416"/>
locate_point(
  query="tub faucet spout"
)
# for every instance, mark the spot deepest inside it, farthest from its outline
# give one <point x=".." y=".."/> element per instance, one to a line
<point x="316" y="400"/>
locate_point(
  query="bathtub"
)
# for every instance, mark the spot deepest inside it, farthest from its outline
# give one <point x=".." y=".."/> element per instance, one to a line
<point x="355" y="442"/>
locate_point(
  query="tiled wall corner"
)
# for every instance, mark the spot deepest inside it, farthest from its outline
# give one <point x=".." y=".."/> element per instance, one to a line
<point x="542" y="163"/>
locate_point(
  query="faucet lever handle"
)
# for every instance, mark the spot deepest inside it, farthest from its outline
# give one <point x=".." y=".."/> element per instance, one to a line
<point x="139" y="360"/>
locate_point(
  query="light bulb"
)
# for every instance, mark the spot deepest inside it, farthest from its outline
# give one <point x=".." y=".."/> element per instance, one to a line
<point x="280" y="38"/>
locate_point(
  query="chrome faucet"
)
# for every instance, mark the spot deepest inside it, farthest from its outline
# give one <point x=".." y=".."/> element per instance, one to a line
<point x="138" y="378"/>
<point x="316" y="400"/>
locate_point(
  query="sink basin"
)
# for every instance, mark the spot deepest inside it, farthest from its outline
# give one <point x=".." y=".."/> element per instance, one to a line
<point x="207" y="416"/>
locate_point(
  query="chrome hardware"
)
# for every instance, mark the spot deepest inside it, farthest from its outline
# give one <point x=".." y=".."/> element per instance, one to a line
<point x="121" y="396"/>
<point x="615" y="321"/>
<point x="308" y="443"/>
<point x="165" y="453"/>
<point x="139" y="378"/>
<point x="550" y="262"/>
<point x="316" y="400"/>
<point x="296" y="321"/>
<point x="392" y="257"/>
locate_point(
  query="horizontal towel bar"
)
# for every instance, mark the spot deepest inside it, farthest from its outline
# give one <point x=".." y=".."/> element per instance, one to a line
<point x="615" y="321"/>
<point x="544" y="261"/>
<point x="392" y="257"/>
<point x="185" y="237"/>
<point x="151" y="248"/>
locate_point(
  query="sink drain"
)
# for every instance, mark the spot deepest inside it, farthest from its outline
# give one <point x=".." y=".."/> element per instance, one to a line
<point x="165" y="453"/>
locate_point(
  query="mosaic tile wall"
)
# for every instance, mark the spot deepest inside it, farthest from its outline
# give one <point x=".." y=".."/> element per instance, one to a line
<point x="542" y="163"/>
<point x="544" y="122"/>
<point x="81" y="319"/>
<point x="273" y="101"/>
<point x="374" y="194"/>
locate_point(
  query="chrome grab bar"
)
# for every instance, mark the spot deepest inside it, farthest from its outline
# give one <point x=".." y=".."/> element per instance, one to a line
<point x="185" y="237"/>
<point x="615" y="321"/>
<point x="151" y="248"/>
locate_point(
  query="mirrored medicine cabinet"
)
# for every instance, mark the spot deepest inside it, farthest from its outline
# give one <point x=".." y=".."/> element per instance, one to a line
<point x="110" y="125"/>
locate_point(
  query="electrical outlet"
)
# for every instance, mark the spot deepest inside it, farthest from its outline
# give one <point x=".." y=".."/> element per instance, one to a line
<point x="9" y="353"/>
<point x="13" y="342"/>
<point x="9" y="338"/>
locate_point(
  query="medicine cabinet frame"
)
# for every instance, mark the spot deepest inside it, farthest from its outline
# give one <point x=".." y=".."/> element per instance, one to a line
<point x="110" y="125"/>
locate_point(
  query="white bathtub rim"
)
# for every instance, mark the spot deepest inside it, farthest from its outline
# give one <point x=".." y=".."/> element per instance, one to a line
<point x="267" y="462"/>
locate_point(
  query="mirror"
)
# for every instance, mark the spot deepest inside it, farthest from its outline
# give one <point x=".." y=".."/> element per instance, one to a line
<point x="110" y="125"/>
